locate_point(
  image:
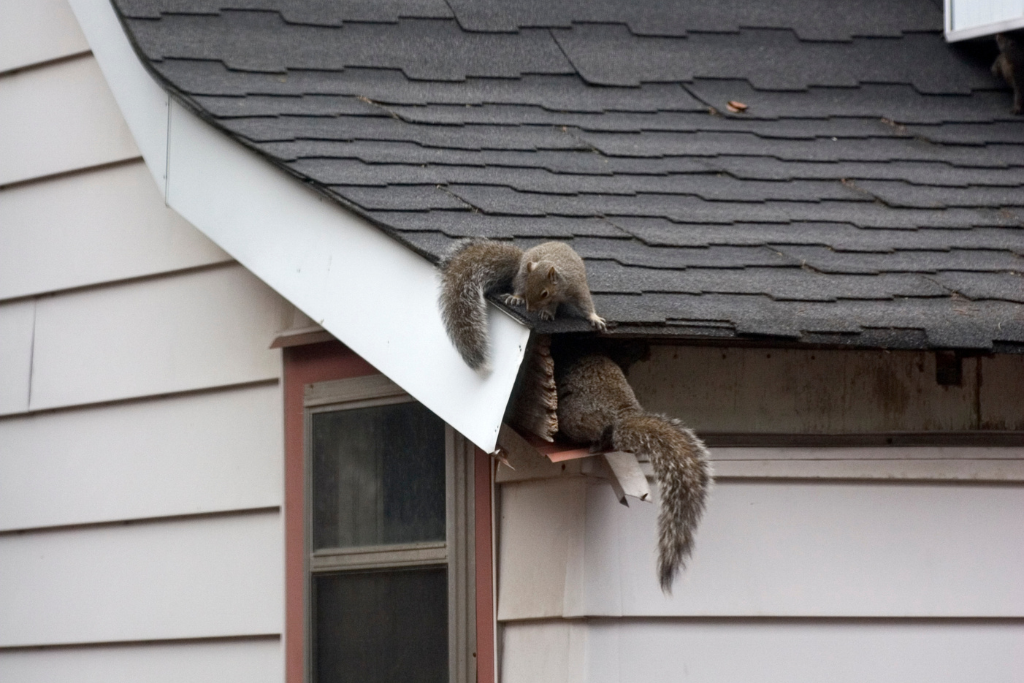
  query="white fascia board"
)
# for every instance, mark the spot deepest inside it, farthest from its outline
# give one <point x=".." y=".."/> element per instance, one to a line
<point x="372" y="293"/>
<point x="966" y="19"/>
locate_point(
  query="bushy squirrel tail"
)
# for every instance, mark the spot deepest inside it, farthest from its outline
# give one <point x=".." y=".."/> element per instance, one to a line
<point x="473" y="268"/>
<point x="683" y="473"/>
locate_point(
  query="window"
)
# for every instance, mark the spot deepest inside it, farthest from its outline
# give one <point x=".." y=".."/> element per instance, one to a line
<point x="389" y="538"/>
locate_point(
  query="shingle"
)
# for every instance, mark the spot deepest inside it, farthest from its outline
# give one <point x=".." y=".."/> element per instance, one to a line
<point x="304" y="105"/>
<point x="714" y="143"/>
<point x="768" y="59"/>
<point x="897" y="102"/>
<point x="794" y="284"/>
<point x="401" y="198"/>
<point x="271" y="129"/>
<point x="633" y="253"/>
<point x="839" y="236"/>
<point x="469" y="224"/>
<point x="981" y="286"/>
<point x="425" y="49"/>
<point x="692" y="209"/>
<point x="870" y="194"/>
<point x="809" y="19"/>
<point x="315" y="12"/>
<point x="897" y="193"/>
<point x="575" y="161"/>
<point x="905" y="260"/>
<point x="914" y="172"/>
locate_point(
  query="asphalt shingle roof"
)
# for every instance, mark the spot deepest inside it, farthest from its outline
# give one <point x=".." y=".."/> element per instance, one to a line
<point x="871" y="194"/>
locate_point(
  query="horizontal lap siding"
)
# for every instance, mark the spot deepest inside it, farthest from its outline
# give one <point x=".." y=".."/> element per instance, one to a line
<point x="191" y="331"/>
<point x="34" y="31"/>
<point x="57" y="119"/>
<point x="16" y="323"/>
<point x="140" y="407"/>
<point x="194" y="578"/>
<point x="93" y="227"/>
<point x="768" y="651"/>
<point x="769" y="549"/>
<point x="256" y="661"/>
<point x="183" y="455"/>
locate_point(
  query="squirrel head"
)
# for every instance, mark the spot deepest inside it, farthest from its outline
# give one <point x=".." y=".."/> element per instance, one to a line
<point x="542" y="284"/>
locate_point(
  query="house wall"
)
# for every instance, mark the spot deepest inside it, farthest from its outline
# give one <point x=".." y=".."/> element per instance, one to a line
<point x="851" y="561"/>
<point x="141" y="445"/>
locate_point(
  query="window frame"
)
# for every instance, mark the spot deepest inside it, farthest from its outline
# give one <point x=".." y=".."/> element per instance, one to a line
<point x="469" y="509"/>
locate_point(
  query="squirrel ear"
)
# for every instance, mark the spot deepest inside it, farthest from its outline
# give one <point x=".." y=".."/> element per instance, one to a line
<point x="552" y="274"/>
<point x="531" y="266"/>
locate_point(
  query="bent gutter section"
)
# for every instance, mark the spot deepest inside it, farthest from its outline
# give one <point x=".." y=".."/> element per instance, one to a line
<point x="374" y="295"/>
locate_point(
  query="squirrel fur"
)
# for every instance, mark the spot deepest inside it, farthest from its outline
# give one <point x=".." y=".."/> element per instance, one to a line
<point x="543" y="277"/>
<point x="596" y="405"/>
<point x="1010" y="65"/>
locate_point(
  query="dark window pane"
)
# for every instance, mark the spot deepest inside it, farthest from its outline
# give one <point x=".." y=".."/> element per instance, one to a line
<point x="386" y="626"/>
<point x="378" y="476"/>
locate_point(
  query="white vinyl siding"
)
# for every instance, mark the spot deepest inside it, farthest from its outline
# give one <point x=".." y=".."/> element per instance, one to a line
<point x="16" y="322"/>
<point x="191" y="578"/>
<point x="239" y="661"/>
<point x="121" y="229"/>
<point x="34" y="31"/>
<point x="141" y="446"/>
<point x="57" y="119"/>
<point x="184" y="455"/>
<point x="191" y="331"/>
<point x="767" y="651"/>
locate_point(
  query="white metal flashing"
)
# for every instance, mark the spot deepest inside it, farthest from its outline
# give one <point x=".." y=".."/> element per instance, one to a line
<point x="373" y="294"/>
<point x="966" y="19"/>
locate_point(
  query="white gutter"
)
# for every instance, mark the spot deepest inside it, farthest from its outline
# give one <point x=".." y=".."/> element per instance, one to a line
<point x="369" y="291"/>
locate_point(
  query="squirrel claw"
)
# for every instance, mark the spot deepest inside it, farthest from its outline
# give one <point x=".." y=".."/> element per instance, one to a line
<point x="597" y="322"/>
<point x="546" y="315"/>
<point x="513" y="300"/>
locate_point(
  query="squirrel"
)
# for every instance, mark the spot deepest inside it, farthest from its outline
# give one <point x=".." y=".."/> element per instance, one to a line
<point x="543" y="277"/>
<point x="1010" y="65"/>
<point x="596" y="405"/>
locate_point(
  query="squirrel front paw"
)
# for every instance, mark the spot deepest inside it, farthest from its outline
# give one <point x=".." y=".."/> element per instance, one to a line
<point x="597" y="322"/>
<point x="545" y="314"/>
<point x="513" y="300"/>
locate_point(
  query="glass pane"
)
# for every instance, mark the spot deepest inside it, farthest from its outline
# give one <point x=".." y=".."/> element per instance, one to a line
<point x="382" y="626"/>
<point x="378" y="476"/>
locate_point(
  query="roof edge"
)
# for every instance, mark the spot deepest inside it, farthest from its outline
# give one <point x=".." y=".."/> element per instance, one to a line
<point x="370" y="292"/>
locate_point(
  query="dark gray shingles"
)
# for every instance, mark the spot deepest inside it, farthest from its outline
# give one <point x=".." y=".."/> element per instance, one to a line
<point x="313" y="12"/>
<point x="897" y="102"/>
<point x="401" y="198"/>
<point x="900" y="194"/>
<point x="768" y="59"/>
<point x="693" y="209"/>
<point x="470" y="224"/>
<point x="913" y="172"/>
<point x="781" y="284"/>
<point x="437" y="132"/>
<point x="829" y="260"/>
<point x="982" y="286"/>
<point x="716" y="143"/>
<point x="633" y="253"/>
<point x="810" y="20"/>
<point x="423" y="49"/>
<point x="839" y="236"/>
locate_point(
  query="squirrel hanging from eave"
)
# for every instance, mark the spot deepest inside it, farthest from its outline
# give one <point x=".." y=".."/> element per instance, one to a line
<point x="596" y="405"/>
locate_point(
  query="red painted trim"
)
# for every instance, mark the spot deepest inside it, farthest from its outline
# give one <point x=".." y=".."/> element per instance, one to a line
<point x="320" y="363"/>
<point x="484" y="571"/>
<point x="303" y="365"/>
